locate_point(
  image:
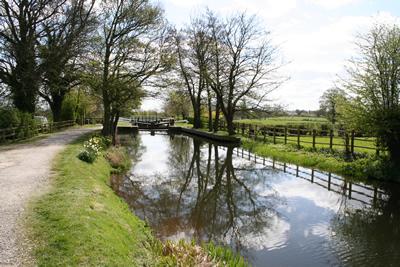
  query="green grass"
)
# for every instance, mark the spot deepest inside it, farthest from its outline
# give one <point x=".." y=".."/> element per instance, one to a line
<point x="370" y="166"/>
<point x="80" y="221"/>
<point x="361" y="144"/>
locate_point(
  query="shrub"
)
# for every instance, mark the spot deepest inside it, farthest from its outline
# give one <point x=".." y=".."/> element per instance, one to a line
<point x="8" y="118"/>
<point x="92" y="149"/>
<point x="119" y="159"/>
<point x="87" y="156"/>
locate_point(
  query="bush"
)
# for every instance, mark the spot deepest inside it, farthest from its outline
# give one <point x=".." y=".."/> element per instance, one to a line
<point x="92" y="148"/>
<point x="9" y="118"/>
<point x="87" y="156"/>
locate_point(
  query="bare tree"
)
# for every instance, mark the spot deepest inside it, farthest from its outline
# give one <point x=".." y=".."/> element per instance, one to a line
<point x="244" y="65"/>
<point x="19" y="34"/>
<point x="192" y="51"/>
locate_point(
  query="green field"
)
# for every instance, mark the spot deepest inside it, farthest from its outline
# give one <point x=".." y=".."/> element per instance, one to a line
<point x="286" y="120"/>
<point x="361" y="144"/>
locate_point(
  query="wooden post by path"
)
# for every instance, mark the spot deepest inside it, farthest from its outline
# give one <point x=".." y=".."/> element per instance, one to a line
<point x="352" y="142"/>
<point x="331" y="139"/>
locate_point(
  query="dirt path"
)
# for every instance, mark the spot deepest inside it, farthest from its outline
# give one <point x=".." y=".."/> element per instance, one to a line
<point x="24" y="173"/>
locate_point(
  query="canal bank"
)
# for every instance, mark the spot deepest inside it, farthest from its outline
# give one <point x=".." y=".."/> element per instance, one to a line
<point x="82" y="222"/>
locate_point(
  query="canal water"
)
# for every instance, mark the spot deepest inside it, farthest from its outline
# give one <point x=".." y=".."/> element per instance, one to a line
<point x="272" y="213"/>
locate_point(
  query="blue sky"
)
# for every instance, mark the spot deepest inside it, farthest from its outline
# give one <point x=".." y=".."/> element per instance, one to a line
<point x="316" y="37"/>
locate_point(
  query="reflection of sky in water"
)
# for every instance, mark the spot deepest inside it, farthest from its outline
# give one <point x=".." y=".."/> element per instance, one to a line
<point x="294" y="220"/>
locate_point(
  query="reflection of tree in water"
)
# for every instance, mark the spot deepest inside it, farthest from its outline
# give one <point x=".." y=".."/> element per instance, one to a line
<point x="370" y="234"/>
<point x="204" y="197"/>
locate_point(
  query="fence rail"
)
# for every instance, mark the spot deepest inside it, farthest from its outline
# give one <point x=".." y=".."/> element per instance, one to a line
<point x="363" y="193"/>
<point x="20" y="133"/>
<point x="349" y="141"/>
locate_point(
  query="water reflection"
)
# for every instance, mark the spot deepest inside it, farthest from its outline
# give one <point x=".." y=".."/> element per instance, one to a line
<point x="271" y="212"/>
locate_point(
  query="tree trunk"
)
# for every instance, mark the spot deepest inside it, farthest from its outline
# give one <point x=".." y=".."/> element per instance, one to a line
<point x="115" y="129"/>
<point x="56" y="108"/>
<point x="217" y="114"/>
<point x="196" y="118"/>
<point x="229" y="124"/>
<point x="210" y="120"/>
<point x="107" y="119"/>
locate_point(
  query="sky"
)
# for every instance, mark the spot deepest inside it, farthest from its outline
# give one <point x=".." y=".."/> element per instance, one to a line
<point x="315" y="37"/>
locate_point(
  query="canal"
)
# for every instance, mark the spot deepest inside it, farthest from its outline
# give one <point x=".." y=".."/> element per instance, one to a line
<point x="272" y="213"/>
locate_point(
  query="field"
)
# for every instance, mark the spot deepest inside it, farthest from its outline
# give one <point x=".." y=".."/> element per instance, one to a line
<point x="286" y="120"/>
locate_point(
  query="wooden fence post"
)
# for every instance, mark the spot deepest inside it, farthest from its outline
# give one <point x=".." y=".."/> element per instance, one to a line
<point x="285" y="135"/>
<point x="347" y="143"/>
<point x="331" y="139"/>
<point x="314" y="132"/>
<point x="274" y="134"/>
<point x="352" y="142"/>
<point x="298" y="137"/>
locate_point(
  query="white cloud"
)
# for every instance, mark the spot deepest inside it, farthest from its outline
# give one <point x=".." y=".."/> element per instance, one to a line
<point x="331" y="4"/>
<point x="186" y="3"/>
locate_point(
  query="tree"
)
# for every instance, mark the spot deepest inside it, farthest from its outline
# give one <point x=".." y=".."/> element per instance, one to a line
<point x="243" y="64"/>
<point x="130" y="49"/>
<point x="19" y="34"/>
<point x="177" y="104"/>
<point x="64" y="42"/>
<point x="373" y="81"/>
<point x="329" y="103"/>
<point x="192" y="51"/>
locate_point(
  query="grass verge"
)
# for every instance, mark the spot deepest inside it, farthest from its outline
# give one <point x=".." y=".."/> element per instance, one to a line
<point x="365" y="167"/>
<point x="80" y="221"/>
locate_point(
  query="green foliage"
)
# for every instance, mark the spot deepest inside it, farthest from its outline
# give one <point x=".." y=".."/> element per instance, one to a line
<point x="374" y="83"/>
<point x="330" y="102"/>
<point x="8" y="117"/>
<point x="93" y="148"/>
<point x="87" y="156"/>
<point x="68" y="108"/>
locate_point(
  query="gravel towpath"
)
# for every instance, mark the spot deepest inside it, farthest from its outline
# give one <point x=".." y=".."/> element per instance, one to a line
<point x="25" y="170"/>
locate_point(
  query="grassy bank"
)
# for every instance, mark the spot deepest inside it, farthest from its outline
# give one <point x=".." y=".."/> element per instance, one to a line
<point x="326" y="160"/>
<point x="81" y="221"/>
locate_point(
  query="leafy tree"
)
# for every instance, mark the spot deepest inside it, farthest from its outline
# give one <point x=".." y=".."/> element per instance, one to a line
<point x="177" y="104"/>
<point x="374" y="78"/>
<point x="20" y="32"/>
<point x="63" y="44"/>
<point x="131" y="48"/>
<point x="329" y="103"/>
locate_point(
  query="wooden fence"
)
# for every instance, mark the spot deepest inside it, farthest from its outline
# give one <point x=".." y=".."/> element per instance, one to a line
<point x="20" y="133"/>
<point x="360" y="192"/>
<point x="349" y="141"/>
